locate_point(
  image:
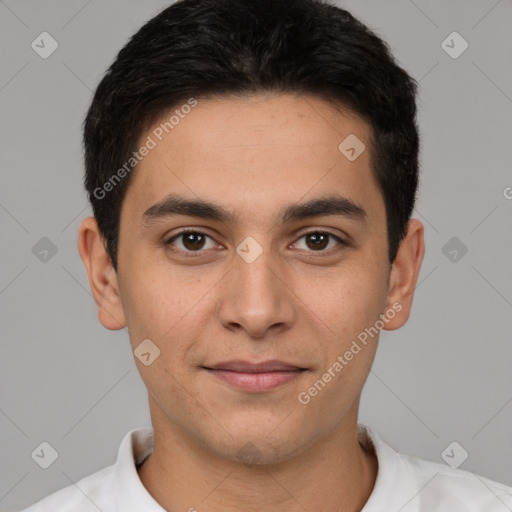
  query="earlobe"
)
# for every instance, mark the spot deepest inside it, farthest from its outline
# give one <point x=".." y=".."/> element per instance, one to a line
<point x="102" y="276"/>
<point x="404" y="275"/>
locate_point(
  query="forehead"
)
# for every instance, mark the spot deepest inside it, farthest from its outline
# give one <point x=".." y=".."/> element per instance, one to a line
<point x="255" y="155"/>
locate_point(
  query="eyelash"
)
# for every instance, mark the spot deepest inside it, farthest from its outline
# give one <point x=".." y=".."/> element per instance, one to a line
<point x="192" y="254"/>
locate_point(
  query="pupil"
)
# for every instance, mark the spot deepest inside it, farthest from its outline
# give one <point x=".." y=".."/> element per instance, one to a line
<point x="319" y="243"/>
<point x="189" y="241"/>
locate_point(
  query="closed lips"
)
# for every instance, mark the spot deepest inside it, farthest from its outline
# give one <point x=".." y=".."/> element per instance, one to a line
<point x="263" y="367"/>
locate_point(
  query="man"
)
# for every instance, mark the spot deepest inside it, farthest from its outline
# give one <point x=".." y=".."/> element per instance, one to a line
<point x="252" y="168"/>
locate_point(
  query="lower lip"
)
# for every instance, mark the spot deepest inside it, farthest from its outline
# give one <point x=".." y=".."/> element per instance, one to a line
<point x="256" y="381"/>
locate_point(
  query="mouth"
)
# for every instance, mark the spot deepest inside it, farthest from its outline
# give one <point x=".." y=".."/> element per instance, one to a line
<point x="256" y="377"/>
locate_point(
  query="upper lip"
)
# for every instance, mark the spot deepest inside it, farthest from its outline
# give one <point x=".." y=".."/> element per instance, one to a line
<point x="273" y="365"/>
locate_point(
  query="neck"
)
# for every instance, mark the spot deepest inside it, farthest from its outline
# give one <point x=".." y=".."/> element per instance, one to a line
<point x="334" y="474"/>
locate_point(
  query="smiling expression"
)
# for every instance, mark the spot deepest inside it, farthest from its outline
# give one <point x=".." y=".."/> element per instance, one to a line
<point x="284" y="259"/>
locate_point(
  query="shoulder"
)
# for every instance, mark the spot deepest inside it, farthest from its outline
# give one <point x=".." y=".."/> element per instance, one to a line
<point x="88" y="494"/>
<point x="441" y="487"/>
<point x="116" y="487"/>
<point x="412" y="484"/>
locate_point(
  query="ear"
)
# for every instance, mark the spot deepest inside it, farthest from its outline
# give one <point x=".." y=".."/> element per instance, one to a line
<point x="102" y="276"/>
<point x="404" y="275"/>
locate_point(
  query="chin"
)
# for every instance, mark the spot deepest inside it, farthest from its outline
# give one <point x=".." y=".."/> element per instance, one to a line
<point x="258" y="447"/>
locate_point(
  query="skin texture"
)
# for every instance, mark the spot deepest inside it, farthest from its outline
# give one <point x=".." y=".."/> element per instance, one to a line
<point x="218" y="447"/>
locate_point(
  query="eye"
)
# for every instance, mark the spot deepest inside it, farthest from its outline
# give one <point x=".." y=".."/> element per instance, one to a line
<point x="317" y="241"/>
<point x="191" y="241"/>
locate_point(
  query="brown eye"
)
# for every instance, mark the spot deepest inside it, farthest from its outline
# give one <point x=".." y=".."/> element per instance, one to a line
<point x="318" y="241"/>
<point x="191" y="241"/>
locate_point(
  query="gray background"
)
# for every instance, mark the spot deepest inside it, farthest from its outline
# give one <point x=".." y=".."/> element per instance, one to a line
<point x="444" y="376"/>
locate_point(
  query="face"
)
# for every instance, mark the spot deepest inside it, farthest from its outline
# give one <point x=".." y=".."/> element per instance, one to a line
<point x="245" y="284"/>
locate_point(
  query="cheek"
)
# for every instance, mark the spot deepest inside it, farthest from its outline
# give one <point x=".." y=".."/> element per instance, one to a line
<point x="348" y="351"/>
<point x="170" y="310"/>
<point x="349" y="301"/>
<point x="149" y="304"/>
<point x="350" y="307"/>
<point x="150" y="294"/>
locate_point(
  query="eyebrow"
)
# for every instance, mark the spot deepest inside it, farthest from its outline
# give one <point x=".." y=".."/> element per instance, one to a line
<point x="332" y="205"/>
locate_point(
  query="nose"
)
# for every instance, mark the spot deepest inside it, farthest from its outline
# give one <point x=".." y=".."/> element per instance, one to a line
<point x="256" y="297"/>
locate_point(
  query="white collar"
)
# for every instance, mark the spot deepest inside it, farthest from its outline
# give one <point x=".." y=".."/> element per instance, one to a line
<point x="130" y="493"/>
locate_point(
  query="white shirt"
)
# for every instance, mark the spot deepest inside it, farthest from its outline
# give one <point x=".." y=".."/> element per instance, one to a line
<point x="404" y="484"/>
